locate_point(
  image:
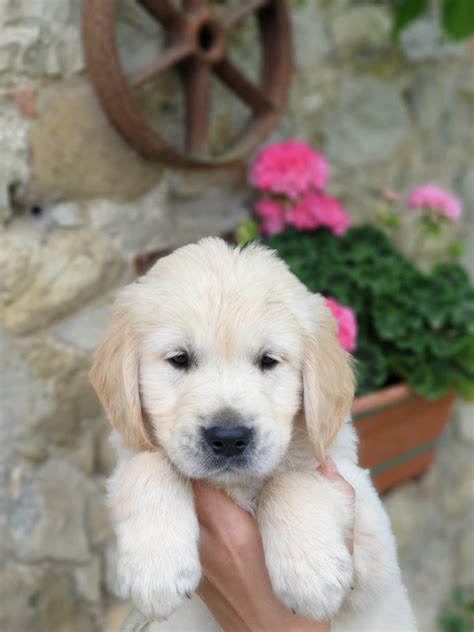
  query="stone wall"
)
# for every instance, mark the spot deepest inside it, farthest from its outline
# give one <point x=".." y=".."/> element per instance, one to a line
<point x="77" y="204"/>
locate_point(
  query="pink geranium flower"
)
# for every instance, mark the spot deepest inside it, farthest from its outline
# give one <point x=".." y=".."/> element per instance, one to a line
<point x="347" y="324"/>
<point x="433" y="197"/>
<point x="315" y="210"/>
<point x="329" y="212"/>
<point x="289" y="168"/>
<point x="272" y="216"/>
<point x="300" y="215"/>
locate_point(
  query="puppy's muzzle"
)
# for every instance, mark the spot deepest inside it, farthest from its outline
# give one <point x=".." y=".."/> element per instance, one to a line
<point x="227" y="441"/>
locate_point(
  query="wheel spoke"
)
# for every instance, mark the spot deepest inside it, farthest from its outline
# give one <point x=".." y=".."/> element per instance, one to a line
<point x="197" y="95"/>
<point x="239" y="13"/>
<point x="228" y="72"/>
<point x="171" y="56"/>
<point x="161" y="10"/>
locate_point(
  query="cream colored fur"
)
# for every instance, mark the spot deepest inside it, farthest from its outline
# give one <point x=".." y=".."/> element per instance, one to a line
<point x="226" y="307"/>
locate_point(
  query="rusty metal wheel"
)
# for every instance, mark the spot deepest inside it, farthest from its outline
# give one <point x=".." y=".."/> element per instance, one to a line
<point x="197" y="45"/>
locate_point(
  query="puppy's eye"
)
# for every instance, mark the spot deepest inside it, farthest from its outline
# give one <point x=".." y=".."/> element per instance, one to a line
<point x="180" y="360"/>
<point x="267" y="362"/>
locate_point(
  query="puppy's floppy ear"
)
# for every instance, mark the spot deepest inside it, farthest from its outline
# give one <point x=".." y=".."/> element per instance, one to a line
<point x="115" y="377"/>
<point x="328" y="380"/>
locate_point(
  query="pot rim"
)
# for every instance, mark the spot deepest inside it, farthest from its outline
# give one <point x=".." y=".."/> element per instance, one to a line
<point x="381" y="399"/>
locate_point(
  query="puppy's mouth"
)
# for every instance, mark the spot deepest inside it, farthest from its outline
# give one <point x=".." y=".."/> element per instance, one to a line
<point x="218" y="465"/>
<point x="199" y="462"/>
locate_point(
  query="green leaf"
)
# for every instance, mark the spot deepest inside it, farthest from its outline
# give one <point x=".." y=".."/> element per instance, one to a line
<point x="458" y="18"/>
<point x="415" y="340"/>
<point x="451" y="274"/>
<point x="389" y="220"/>
<point x="405" y="12"/>
<point x="448" y="343"/>
<point x="246" y="231"/>
<point x="432" y="227"/>
<point x="389" y="320"/>
<point x="369" y="235"/>
<point x="463" y="370"/>
<point x="453" y="622"/>
<point x="429" y="380"/>
<point x="370" y="368"/>
<point x="465" y="389"/>
<point x="456" y="250"/>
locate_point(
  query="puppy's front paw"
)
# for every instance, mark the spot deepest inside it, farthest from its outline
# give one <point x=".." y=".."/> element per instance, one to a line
<point x="156" y="578"/>
<point x="312" y="583"/>
<point x="304" y="523"/>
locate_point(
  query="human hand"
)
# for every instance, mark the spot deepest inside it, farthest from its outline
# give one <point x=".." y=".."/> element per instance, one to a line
<point x="236" y="586"/>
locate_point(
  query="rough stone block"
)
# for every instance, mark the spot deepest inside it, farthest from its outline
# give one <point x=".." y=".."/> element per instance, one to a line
<point x="97" y="514"/>
<point x="14" y="134"/>
<point x="106" y="458"/>
<point x="47" y="517"/>
<point x="24" y="395"/>
<point x="423" y="39"/>
<point x="362" y="30"/>
<point x="84" y="329"/>
<point x="77" y="153"/>
<point x="367" y="123"/>
<point x="59" y="609"/>
<point x="72" y="400"/>
<point x="55" y="276"/>
<point x="19" y="588"/>
<point x="87" y="580"/>
<point x="138" y="226"/>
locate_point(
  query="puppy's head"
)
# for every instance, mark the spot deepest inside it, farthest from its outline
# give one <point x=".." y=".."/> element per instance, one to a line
<point x="208" y="356"/>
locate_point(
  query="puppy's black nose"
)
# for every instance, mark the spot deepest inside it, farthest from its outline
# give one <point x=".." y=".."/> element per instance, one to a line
<point x="227" y="440"/>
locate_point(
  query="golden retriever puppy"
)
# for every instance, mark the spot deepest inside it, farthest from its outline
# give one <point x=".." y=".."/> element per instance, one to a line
<point x="219" y="364"/>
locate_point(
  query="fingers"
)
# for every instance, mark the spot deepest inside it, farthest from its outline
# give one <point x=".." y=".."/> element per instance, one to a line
<point x="210" y="502"/>
<point x="216" y="510"/>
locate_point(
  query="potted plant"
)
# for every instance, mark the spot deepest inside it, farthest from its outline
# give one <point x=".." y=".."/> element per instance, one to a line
<point x="411" y="330"/>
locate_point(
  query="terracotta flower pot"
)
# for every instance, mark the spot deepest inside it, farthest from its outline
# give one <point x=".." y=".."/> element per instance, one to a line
<point x="398" y="432"/>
